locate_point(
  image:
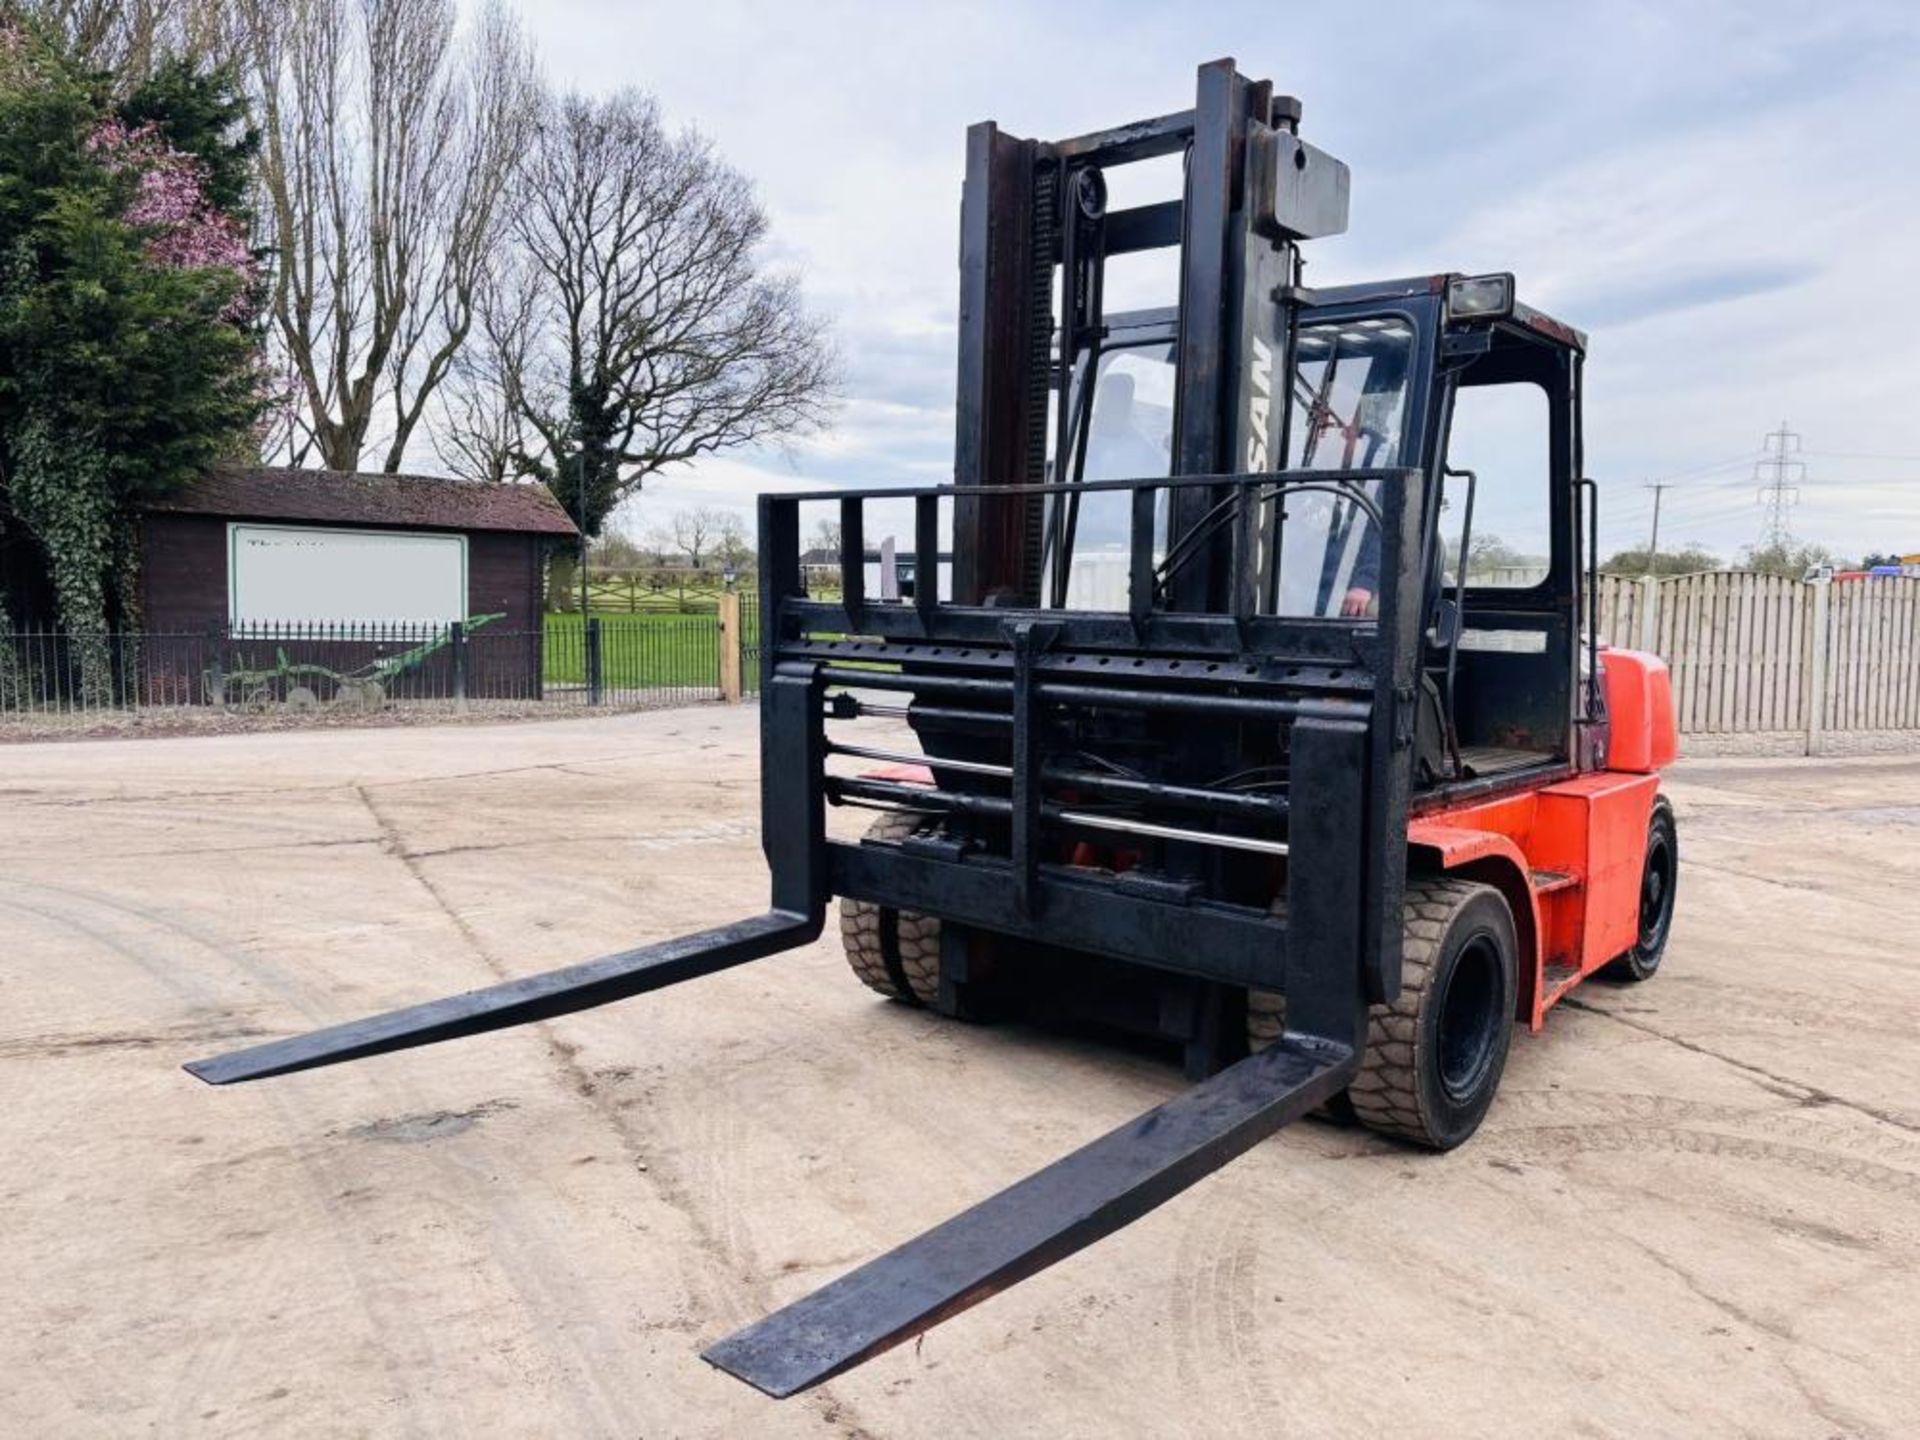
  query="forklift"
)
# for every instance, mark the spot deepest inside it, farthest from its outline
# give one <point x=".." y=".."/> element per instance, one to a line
<point x="1313" y="800"/>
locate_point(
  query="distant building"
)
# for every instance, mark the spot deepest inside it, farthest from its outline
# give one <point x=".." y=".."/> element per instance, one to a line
<point x="820" y="570"/>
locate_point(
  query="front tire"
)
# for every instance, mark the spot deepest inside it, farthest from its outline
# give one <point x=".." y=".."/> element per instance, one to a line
<point x="1435" y="1055"/>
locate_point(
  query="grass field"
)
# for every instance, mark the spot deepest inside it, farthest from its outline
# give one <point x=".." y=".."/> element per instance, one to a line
<point x="640" y="652"/>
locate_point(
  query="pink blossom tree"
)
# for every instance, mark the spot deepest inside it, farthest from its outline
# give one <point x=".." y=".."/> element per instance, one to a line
<point x="185" y="230"/>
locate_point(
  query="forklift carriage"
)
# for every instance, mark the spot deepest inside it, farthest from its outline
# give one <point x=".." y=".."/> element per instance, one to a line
<point x="1310" y="801"/>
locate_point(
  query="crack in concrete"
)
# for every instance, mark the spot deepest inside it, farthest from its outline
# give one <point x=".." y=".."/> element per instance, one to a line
<point x="394" y="844"/>
<point x="1847" y="1422"/>
<point x="583" y="1083"/>
<point x="1730" y="1309"/>
<point x="1784" y="1086"/>
<point x="51" y="1045"/>
<point x="571" y="838"/>
<point x="172" y="852"/>
<point x="174" y="797"/>
<point x="714" y="831"/>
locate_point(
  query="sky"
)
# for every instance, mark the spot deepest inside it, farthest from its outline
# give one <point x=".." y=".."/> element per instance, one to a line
<point x="1719" y="194"/>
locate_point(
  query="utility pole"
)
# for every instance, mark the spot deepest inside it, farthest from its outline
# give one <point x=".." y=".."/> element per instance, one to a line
<point x="1779" y="492"/>
<point x="1653" y="545"/>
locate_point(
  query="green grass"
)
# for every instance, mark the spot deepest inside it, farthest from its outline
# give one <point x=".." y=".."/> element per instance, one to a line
<point x="644" y="652"/>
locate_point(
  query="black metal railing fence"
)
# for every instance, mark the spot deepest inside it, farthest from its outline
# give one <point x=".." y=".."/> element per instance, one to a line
<point x="750" y="642"/>
<point x="625" y="661"/>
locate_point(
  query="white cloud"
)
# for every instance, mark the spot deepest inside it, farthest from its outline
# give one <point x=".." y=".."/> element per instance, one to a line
<point x="1723" y="194"/>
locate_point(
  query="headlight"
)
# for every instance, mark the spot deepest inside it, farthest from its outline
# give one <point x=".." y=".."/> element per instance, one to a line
<point x="1480" y="297"/>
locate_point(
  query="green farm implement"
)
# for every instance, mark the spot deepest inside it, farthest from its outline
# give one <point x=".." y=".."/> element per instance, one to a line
<point x="306" y="684"/>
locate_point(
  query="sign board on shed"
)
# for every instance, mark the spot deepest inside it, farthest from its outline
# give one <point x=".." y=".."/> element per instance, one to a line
<point x="301" y="574"/>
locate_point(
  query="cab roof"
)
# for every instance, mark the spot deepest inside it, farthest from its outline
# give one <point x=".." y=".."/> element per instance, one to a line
<point x="1524" y="315"/>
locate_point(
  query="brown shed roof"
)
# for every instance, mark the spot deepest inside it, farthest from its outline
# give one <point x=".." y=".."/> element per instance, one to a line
<point x="351" y="498"/>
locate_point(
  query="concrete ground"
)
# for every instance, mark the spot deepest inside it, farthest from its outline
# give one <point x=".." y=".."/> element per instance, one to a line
<point x="1695" y="1209"/>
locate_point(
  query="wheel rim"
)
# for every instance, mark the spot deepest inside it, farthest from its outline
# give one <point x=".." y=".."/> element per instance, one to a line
<point x="1470" y="1014"/>
<point x="1656" y="892"/>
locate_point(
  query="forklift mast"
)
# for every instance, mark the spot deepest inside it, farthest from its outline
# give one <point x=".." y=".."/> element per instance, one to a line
<point x="1033" y="212"/>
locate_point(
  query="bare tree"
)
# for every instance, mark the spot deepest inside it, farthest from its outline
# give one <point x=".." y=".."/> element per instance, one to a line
<point x="733" y="547"/>
<point x="614" y="551"/>
<point x="389" y="150"/>
<point x="126" y="39"/>
<point x="826" y="535"/>
<point x="701" y="534"/>
<point x="481" y="431"/>
<point x="657" y="337"/>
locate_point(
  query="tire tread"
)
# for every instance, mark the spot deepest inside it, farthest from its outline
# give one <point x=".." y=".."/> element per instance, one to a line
<point x="918" y="936"/>
<point x="1386" y="1092"/>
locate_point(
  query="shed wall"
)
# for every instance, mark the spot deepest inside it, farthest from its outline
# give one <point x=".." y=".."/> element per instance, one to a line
<point x="184" y="585"/>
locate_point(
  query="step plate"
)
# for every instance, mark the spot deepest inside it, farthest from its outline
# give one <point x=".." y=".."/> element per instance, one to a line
<point x="1036" y="1222"/>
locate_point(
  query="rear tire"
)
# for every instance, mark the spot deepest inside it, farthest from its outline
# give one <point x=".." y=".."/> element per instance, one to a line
<point x="868" y="932"/>
<point x="1435" y="1055"/>
<point x="1659" y="877"/>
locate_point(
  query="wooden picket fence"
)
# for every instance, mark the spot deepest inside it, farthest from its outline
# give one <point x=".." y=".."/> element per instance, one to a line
<point x="1756" y="654"/>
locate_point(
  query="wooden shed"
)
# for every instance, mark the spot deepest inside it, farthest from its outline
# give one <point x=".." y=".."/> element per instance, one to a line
<point x="326" y="547"/>
<point x="261" y="550"/>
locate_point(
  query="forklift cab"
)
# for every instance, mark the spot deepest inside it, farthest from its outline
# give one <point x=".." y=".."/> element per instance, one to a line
<point x="1447" y="374"/>
<point x="1509" y="534"/>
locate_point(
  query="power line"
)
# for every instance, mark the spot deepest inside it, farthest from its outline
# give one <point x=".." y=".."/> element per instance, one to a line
<point x="1858" y="455"/>
<point x="1781" y="492"/>
<point x="1776" y="480"/>
<point x="1733" y="463"/>
<point x="1684" y="502"/>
